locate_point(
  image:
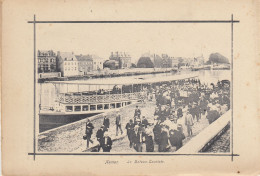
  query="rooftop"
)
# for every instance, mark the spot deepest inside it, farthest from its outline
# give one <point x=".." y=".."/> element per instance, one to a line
<point x="68" y="56"/>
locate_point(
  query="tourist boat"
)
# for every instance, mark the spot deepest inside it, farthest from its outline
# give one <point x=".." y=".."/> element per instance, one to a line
<point x="94" y="96"/>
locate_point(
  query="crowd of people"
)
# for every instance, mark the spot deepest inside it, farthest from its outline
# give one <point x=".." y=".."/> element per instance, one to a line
<point x="179" y="105"/>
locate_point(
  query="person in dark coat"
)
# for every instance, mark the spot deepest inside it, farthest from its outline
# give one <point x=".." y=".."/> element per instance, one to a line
<point x="149" y="142"/>
<point x="163" y="143"/>
<point x="118" y="124"/>
<point x="130" y="132"/>
<point x="212" y="116"/>
<point x="106" y="123"/>
<point x="157" y="132"/>
<point x="100" y="135"/>
<point x="196" y="111"/>
<point x="106" y="143"/>
<point x="203" y="105"/>
<point x="88" y="132"/>
<point x="144" y="122"/>
<point x="176" y="137"/>
<point x="179" y="113"/>
<point x="172" y="137"/>
<point x="138" y="141"/>
<point x="137" y="112"/>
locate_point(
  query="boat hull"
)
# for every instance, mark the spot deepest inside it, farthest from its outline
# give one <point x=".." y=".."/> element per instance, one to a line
<point x="47" y="122"/>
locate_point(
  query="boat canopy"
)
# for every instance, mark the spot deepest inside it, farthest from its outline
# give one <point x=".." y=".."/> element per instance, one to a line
<point x="128" y="80"/>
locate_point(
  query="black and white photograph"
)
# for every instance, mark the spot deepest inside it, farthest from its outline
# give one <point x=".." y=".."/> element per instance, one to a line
<point x="135" y="87"/>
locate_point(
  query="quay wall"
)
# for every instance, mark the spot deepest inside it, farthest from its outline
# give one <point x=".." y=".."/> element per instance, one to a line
<point x="110" y="73"/>
<point x="205" y="138"/>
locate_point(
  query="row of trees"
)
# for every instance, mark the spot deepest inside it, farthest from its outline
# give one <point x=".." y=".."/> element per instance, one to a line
<point x="156" y="61"/>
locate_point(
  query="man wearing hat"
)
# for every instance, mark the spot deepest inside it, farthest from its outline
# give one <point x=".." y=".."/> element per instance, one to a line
<point x="179" y="113"/>
<point x="106" y="123"/>
<point x="144" y="122"/>
<point x="118" y="124"/>
<point x="157" y="132"/>
<point x="137" y="112"/>
<point x="89" y="131"/>
<point x="130" y="132"/>
<point x="203" y="105"/>
<point x="149" y="140"/>
<point x="196" y="111"/>
<point x="139" y="139"/>
<point x="100" y="135"/>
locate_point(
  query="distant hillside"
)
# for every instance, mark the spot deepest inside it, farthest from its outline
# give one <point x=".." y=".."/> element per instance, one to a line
<point x="217" y="58"/>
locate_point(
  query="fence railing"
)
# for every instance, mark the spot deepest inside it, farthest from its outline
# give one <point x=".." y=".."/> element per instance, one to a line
<point x="81" y="99"/>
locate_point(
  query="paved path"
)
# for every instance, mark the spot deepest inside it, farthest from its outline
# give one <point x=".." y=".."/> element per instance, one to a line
<point x="122" y="145"/>
<point x="69" y="137"/>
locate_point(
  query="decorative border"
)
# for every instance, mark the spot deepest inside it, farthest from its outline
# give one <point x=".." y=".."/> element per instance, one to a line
<point x="136" y="21"/>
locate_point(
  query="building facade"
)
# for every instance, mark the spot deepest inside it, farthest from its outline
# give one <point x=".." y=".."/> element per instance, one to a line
<point x="123" y="58"/>
<point x="67" y="64"/>
<point x="174" y="62"/>
<point x="97" y="62"/>
<point x="85" y="64"/>
<point x="46" y="61"/>
<point x="197" y="61"/>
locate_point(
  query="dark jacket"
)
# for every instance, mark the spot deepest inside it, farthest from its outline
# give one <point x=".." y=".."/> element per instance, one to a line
<point x="176" y="138"/>
<point x="157" y="132"/>
<point x="145" y="123"/>
<point x="100" y="134"/>
<point x="163" y="144"/>
<point x="138" y="138"/>
<point x="129" y="128"/>
<point x="149" y="143"/>
<point x="89" y="128"/>
<point x="108" y="145"/>
<point x="212" y="116"/>
<point x="179" y="113"/>
<point x="106" y="123"/>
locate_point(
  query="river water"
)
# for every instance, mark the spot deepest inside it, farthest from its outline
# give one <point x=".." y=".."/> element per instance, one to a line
<point x="47" y="92"/>
<point x="221" y="145"/>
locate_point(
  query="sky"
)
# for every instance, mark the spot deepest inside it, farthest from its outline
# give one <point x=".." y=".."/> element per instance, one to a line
<point x="176" y="40"/>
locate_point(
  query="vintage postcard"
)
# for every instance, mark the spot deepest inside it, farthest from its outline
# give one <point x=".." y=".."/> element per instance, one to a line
<point x="130" y="88"/>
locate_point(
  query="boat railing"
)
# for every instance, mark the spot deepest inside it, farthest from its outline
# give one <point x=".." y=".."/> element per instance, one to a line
<point x="82" y="99"/>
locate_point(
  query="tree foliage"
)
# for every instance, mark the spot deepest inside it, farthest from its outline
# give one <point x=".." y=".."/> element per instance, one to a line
<point x="217" y="58"/>
<point x="145" y="62"/>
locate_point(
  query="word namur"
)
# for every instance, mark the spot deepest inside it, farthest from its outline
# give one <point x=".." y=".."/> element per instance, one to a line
<point x="111" y="162"/>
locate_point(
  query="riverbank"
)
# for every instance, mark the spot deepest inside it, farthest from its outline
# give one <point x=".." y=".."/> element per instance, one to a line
<point x="111" y="74"/>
